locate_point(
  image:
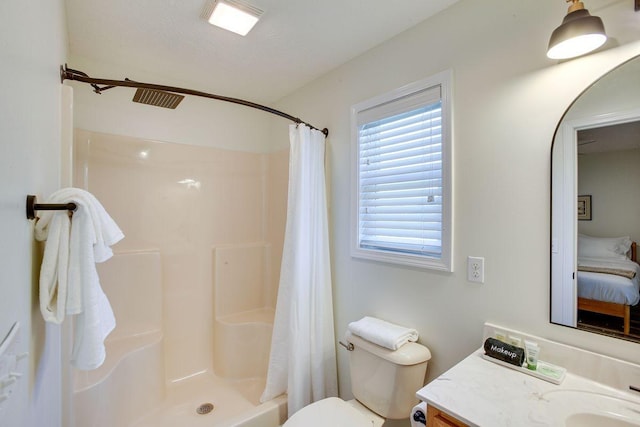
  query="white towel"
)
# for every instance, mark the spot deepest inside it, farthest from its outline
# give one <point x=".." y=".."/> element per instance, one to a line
<point x="69" y="282"/>
<point x="383" y="333"/>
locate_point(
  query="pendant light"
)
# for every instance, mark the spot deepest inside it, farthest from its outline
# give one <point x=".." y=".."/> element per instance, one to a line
<point x="578" y="34"/>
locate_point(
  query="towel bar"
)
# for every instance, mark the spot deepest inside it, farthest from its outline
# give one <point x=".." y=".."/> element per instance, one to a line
<point x="33" y="206"/>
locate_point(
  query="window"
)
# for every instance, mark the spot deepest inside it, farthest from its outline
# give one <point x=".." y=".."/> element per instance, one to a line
<point x="402" y="175"/>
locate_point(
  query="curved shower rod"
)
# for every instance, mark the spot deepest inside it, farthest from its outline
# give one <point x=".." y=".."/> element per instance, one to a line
<point x="71" y="74"/>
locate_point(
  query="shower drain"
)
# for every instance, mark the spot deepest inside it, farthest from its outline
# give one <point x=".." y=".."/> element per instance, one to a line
<point x="205" y="408"/>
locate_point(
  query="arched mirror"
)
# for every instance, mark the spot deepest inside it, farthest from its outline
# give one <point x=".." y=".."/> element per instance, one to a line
<point x="595" y="208"/>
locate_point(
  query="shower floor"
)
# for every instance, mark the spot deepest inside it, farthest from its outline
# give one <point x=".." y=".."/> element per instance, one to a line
<point x="236" y="403"/>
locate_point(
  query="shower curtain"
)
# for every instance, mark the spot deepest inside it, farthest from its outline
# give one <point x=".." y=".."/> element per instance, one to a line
<point x="303" y="357"/>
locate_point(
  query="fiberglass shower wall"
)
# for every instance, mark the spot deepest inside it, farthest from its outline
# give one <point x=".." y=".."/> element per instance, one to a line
<point x="186" y="202"/>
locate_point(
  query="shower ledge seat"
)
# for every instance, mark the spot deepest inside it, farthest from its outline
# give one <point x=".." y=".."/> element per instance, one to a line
<point x="242" y="343"/>
<point x="117" y="351"/>
<point x="135" y="364"/>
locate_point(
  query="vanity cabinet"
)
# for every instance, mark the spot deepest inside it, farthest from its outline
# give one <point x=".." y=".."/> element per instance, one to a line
<point x="438" y="418"/>
<point x="478" y="392"/>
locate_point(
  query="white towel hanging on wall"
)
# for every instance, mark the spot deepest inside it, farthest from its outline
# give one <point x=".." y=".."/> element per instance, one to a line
<point x="69" y="282"/>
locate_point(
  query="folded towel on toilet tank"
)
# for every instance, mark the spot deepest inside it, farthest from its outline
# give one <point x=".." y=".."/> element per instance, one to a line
<point x="383" y="333"/>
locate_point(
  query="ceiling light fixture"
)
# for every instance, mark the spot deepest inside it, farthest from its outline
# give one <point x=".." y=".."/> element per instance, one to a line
<point x="234" y="15"/>
<point x="578" y="34"/>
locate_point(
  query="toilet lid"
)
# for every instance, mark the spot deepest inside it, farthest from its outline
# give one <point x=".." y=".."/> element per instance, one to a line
<point x="332" y="412"/>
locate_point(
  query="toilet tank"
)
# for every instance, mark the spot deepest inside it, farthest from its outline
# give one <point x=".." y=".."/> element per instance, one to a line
<point x="384" y="380"/>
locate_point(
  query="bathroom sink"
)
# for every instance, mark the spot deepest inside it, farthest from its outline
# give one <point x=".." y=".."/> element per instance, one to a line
<point x="580" y="408"/>
<point x="597" y="420"/>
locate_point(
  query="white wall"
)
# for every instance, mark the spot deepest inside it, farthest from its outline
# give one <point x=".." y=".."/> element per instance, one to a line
<point x="611" y="178"/>
<point x="32" y="47"/>
<point x="508" y="99"/>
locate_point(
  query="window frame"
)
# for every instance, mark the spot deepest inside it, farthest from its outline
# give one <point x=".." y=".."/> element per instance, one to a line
<point x="444" y="262"/>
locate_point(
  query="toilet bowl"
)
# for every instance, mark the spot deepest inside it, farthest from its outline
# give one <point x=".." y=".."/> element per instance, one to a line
<point x="383" y="382"/>
<point x="334" y="412"/>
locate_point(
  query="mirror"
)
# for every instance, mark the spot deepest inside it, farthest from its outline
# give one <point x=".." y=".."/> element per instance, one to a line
<point x="595" y="208"/>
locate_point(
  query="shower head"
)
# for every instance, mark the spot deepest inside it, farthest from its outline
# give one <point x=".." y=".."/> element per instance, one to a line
<point x="157" y="98"/>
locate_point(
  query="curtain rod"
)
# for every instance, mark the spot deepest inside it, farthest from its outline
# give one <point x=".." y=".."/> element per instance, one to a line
<point x="71" y="74"/>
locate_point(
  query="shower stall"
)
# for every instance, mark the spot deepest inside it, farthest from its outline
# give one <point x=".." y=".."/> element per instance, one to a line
<point x="193" y="285"/>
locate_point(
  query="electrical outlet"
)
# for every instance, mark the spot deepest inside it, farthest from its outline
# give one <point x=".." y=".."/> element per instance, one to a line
<point x="475" y="269"/>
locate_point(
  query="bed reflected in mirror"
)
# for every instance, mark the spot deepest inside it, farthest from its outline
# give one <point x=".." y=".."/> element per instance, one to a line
<point x="595" y="208"/>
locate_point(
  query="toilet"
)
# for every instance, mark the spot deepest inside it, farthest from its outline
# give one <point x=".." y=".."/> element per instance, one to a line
<point x="384" y="383"/>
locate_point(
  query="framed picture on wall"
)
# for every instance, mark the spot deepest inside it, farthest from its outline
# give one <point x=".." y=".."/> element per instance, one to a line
<point x="584" y="208"/>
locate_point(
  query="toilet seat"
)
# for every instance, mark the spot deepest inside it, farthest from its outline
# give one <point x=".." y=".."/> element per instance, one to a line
<point x="334" y="412"/>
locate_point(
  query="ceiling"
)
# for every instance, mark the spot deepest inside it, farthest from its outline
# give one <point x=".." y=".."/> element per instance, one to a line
<point x="625" y="136"/>
<point x="295" y="41"/>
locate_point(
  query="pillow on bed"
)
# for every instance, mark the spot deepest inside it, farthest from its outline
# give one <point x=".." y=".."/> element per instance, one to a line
<point x="603" y="247"/>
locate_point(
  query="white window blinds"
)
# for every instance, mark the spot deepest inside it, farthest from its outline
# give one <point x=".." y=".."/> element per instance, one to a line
<point x="400" y="175"/>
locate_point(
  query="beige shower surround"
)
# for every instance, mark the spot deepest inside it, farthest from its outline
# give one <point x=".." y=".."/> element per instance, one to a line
<point x="194" y="282"/>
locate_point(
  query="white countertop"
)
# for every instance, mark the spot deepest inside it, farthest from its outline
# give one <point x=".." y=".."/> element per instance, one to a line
<point x="481" y="393"/>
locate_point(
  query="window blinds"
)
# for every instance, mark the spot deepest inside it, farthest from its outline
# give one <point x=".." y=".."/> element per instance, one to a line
<point x="400" y="175"/>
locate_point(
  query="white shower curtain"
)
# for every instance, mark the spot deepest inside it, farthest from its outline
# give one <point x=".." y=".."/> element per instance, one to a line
<point x="303" y="355"/>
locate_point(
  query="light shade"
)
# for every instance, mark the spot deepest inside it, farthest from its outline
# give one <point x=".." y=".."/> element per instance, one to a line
<point x="578" y="34"/>
<point x="234" y="16"/>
